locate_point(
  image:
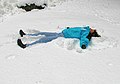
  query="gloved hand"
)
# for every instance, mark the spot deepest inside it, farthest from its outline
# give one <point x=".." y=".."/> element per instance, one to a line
<point x="83" y="47"/>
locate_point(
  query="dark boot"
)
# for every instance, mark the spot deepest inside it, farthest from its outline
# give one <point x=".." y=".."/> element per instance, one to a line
<point x="21" y="33"/>
<point x="19" y="42"/>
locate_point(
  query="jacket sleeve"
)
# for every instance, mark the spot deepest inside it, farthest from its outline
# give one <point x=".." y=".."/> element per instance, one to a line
<point x="84" y="41"/>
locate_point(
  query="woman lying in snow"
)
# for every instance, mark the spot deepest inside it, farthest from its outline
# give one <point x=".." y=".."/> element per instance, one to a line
<point x="84" y="34"/>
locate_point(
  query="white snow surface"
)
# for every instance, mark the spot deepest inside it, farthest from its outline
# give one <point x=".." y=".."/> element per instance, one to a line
<point x="37" y="2"/>
<point x="61" y="61"/>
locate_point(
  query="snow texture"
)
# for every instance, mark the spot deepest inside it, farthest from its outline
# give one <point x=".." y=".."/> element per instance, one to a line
<point x="60" y="61"/>
<point x="36" y="2"/>
<point x="96" y="44"/>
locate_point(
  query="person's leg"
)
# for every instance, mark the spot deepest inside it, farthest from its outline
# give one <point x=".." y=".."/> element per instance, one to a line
<point x="43" y="33"/>
<point x="46" y="39"/>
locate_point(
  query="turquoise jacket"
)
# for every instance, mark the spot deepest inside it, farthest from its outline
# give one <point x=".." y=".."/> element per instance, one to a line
<point x="80" y="33"/>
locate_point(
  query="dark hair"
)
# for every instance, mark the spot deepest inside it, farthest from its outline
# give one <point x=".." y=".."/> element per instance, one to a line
<point x="95" y="34"/>
<point x="89" y="36"/>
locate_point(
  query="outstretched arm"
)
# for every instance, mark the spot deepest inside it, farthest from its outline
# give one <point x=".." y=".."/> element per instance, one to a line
<point x="84" y="42"/>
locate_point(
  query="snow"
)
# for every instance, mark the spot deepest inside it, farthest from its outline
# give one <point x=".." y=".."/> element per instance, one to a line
<point x="96" y="44"/>
<point x="61" y="61"/>
<point x="8" y="8"/>
<point x="37" y="2"/>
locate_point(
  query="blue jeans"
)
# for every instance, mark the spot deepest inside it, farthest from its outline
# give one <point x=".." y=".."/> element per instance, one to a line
<point x="48" y="37"/>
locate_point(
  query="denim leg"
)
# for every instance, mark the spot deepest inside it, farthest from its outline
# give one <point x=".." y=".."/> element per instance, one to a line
<point x="43" y="33"/>
<point x="46" y="39"/>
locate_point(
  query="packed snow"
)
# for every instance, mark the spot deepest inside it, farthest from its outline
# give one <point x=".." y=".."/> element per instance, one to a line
<point x="60" y="61"/>
<point x="37" y="2"/>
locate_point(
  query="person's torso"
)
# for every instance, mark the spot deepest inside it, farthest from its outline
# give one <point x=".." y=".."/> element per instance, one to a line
<point x="76" y="32"/>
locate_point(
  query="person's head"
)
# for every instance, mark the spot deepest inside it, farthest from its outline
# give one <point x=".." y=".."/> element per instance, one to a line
<point x="94" y="33"/>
